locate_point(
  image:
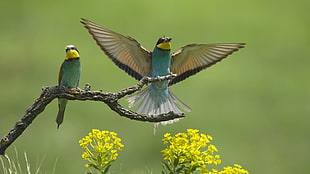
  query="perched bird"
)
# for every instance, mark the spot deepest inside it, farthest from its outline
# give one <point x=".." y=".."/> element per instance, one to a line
<point x="69" y="76"/>
<point x="137" y="61"/>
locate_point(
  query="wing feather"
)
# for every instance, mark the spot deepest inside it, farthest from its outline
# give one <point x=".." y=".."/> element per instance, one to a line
<point x="124" y="51"/>
<point x="60" y="74"/>
<point x="193" y="58"/>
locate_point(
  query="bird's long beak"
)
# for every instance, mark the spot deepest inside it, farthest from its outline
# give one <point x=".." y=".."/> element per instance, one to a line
<point x="168" y="39"/>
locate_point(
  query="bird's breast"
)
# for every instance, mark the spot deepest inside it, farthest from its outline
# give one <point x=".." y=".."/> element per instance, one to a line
<point x="71" y="74"/>
<point x="160" y="65"/>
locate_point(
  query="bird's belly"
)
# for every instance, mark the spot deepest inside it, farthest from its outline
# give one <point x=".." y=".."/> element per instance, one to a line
<point x="161" y="84"/>
<point x="71" y="82"/>
<point x="71" y="79"/>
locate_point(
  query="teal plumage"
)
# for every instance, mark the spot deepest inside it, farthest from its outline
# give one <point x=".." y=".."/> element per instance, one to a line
<point x="137" y="61"/>
<point x="157" y="98"/>
<point x="69" y="76"/>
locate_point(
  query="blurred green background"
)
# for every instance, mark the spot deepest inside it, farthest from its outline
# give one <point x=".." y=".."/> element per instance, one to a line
<point x="255" y="103"/>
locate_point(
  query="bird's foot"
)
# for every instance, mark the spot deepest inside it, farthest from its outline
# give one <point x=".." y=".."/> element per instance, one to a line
<point x="74" y="90"/>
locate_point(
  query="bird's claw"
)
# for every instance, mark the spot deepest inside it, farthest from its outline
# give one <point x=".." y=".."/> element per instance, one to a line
<point x="74" y="90"/>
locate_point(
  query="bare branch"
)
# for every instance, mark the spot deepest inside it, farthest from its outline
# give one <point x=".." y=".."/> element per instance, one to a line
<point x="111" y="99"/>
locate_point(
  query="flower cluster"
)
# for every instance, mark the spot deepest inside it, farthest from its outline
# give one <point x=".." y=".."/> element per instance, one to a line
<point x="100" y="149"/>
<point x="184" y="154"/>
<point x="237" y="169"/>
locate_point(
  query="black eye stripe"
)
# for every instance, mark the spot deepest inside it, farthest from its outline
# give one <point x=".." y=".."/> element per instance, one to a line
<point x="71" y="48"/>
<point x="163" y="39"/>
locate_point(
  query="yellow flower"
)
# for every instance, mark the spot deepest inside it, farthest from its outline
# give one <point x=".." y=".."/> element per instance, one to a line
<point x="184" y="154"/>
<point x="100" y="149"/>
<point x="212" y="149"/>
<point x="233" y="170"/>
<point x="85" y="155"/>
<point x="184" y="151"/>
<point x="238" y="166"/>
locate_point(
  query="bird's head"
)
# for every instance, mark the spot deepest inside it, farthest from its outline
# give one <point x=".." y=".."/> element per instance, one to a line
<point x="71" y="52"/>
<point x="164" y="43"/>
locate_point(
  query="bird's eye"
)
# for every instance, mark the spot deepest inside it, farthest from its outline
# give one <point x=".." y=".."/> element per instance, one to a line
<point x="161" y="40"/>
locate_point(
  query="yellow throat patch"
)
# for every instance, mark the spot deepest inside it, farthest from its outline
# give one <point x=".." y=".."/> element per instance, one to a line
<point x="164" y="46"/>
<point x="72" y="54"/>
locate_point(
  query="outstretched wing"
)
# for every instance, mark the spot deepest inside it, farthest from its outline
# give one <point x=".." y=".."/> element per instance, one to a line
<point x="124" y="51"/>
<point x="193" y="58"/>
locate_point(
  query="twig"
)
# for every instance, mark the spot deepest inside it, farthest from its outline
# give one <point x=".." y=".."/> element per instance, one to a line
<point x="111" y="99"/>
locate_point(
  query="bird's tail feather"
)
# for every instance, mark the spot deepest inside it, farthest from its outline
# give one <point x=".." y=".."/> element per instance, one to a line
<point x="61" y="111"/>
<point x="157" y="104"/>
